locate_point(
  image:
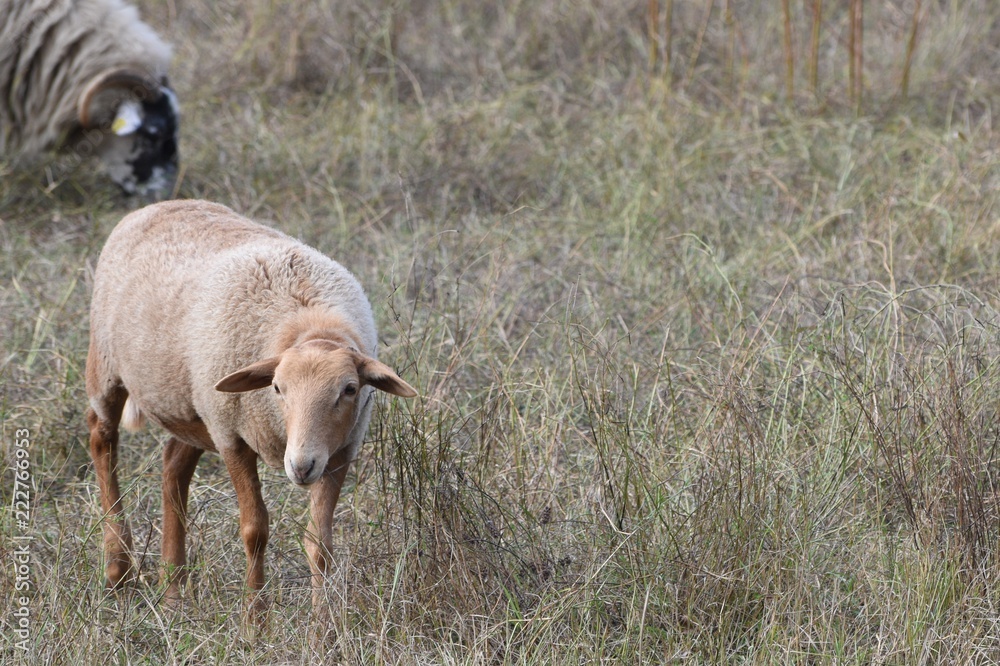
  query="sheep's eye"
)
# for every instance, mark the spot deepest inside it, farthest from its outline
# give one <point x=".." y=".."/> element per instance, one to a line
<point x="276" y="389"/>
<point x="350" y="389"/>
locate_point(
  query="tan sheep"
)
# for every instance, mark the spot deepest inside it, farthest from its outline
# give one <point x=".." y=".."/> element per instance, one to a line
<point x="194" y="309"/>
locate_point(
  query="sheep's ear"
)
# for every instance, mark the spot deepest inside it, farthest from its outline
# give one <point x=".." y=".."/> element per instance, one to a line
<point x="382" y="377"/>
<point x="254" y="376"/>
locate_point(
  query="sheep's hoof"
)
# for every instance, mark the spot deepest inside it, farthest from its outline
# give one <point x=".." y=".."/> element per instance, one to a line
<point x="174" y="578"/>
<point x="119" y="572"/>
<point x="323" y="641"/>
<point x="257" y="609"/>
<point x="321" y="612"/>
<point x="173" y="599"/>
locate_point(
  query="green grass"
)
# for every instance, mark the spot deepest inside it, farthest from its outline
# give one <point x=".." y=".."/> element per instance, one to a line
<point x="707" y="375"/>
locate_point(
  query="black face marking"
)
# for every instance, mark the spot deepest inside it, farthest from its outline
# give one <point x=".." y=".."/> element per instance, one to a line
<point x="156" y="139"/>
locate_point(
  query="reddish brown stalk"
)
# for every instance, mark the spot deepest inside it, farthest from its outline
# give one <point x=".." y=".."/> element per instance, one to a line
<point x="668" y="20"/>
<point x="696" y="50"/>
<point x="730" y="44"/>
<point x="850" y="48"/>
<point x="789" y="56"/>
<point x="911" y="46"/>
<point x="814" y="46"/>
<point x="653" y="32"/>
<point x="857" y="51"/>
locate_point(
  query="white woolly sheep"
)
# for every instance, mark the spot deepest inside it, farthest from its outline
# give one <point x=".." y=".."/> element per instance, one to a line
<point x="88" y="77"/>
<point x="195" y="308"/>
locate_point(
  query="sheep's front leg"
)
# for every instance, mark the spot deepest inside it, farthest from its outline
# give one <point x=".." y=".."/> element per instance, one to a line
<point x="104" y="451"/>
<point x="179" y="462"/>
<point x="241" y="462"/>
<point x="323" y="498"/>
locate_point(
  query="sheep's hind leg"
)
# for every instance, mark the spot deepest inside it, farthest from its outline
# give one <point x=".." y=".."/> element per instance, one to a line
<point x="104" y="452"/>
<point x="179" y="462"/>
<point x="323" y="498"/>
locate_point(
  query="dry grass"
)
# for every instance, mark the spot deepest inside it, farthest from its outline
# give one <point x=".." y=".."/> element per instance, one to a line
<point x="707" y="370"/>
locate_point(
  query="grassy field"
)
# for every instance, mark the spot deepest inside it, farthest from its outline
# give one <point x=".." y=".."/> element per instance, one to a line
<point x="707" y="361"/>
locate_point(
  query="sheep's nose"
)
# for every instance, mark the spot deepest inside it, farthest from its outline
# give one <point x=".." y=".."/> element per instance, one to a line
<point x="302" y="470"/>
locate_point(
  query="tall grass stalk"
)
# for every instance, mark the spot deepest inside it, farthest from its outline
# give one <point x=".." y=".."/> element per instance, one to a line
<point x="856" y="52"/>
<point x="789" y="50"/>
<point x="699" y="41"/>
<point x="814" y="43"/>
<point x="911" y="46"/>
<point x="653" y="34"/>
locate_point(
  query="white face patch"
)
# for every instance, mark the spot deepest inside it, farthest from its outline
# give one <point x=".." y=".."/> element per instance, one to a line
<point x="128" y="119"/>
<point x="115" y="153"/>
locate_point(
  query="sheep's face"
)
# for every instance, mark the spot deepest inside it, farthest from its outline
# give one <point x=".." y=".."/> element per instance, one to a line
<point x="140" y="151"/>
<point x="319" y="393"/>
<point x="320" y="388"/>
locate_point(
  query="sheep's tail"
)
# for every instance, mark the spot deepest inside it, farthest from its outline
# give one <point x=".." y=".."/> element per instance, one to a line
<point x="132" y="417"/>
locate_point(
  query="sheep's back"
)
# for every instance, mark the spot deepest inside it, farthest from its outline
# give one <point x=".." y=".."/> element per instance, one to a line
<point x="149" y="276"/>
<point x="157" y="265"/>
